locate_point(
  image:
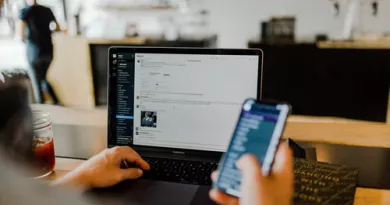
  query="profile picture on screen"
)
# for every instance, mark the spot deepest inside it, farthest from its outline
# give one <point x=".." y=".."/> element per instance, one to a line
<point x="148" y="119"/>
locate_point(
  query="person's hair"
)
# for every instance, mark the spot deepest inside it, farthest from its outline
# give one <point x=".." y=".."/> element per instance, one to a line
<point x="15" y="123"/>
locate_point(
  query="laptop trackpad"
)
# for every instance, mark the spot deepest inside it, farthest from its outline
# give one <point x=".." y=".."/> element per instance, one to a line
<point x="152" y="192"/>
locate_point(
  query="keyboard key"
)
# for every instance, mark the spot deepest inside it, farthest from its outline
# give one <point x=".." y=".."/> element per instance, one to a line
<point x="190" y="172"/>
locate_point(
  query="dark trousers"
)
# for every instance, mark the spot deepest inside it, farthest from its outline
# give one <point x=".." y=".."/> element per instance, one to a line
<point x="39" y="65"/>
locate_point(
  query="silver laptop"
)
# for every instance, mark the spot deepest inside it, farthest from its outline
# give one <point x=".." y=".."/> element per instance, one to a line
<point x="177" y="107"/>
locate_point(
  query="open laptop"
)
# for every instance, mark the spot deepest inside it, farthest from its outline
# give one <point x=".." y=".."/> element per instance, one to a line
<point x="177" y="107"/>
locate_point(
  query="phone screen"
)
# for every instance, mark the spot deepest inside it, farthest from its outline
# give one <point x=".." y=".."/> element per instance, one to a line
<point x="258" y="132"/>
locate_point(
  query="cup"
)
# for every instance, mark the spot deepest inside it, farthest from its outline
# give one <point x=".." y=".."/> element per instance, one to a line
<point x="43" y="144"/>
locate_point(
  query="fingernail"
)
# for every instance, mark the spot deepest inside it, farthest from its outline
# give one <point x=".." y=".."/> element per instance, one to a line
<point x="140" y="172"/>
<point x="213" y="193"/>
<point x="243" y="160"/>
<point x="239" y="162"/>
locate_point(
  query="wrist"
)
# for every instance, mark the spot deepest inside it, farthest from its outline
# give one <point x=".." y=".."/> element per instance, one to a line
<point x="75" y="180"/>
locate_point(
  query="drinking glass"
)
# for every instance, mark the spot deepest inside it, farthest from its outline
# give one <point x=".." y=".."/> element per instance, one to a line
<point x="43" y="144"/>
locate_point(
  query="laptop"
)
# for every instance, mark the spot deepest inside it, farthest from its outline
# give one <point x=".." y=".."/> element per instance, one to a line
<point x="177" y="107"/>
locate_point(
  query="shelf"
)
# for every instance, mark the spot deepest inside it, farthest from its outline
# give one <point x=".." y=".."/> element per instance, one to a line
<point x="139" y="8"/>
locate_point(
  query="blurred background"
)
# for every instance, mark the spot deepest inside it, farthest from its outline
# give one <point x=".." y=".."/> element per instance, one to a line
<point x="326" y="57"/>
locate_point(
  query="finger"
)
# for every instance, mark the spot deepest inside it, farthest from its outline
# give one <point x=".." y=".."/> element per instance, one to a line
<point x="128" y="154"/>
<point x="222" y="198"/>
<point x="250" y="167"/>
<point x="131" y="173"/>
<point x="283" y="163"/>
<point x="252" y="179"/>
<point x="142" y="163"/>
<point x="214" y="175"/>
<point x="122" y="153"/>
<point x="126" y="150"/>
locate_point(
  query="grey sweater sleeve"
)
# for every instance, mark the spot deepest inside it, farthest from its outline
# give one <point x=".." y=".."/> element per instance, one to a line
<point x="1" y="78"/>
<point x="16" y="189"/>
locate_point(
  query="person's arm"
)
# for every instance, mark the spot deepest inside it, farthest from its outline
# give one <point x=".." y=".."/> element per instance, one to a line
<point x="103" y="170"/>
<point x="53" y="18"/>
<point x="58" y="28"/>
<point x="16" y="188"/>
<point x="22" y="24"/>
<point x="21" y="30"/>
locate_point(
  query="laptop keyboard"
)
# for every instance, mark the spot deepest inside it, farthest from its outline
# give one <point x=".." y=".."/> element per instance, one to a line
<point x="172" y="170"/>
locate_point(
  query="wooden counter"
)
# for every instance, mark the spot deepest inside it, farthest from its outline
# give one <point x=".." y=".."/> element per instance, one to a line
<point x="71" y="73"/>
<point x="356" y="44"/>
<point x="363" y="196"/>
<point x="345" y="44"/>
<point x="130" y="41"/>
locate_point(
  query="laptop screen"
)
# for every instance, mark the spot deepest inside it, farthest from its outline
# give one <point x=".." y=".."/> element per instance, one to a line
<point x="185" y="101"/>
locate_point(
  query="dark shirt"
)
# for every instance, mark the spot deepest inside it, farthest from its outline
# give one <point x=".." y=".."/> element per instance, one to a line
<point x="38" y="19"/>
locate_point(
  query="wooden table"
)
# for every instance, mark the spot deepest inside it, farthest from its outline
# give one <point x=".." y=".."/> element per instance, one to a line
<point x="363" y="196"/>
<point x="300" y="128"/>
<point x="338" y="131"/>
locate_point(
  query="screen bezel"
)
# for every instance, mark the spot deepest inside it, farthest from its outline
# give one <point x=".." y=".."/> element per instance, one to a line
<point x="274" y="142"/>
<point x="112" y="90"/>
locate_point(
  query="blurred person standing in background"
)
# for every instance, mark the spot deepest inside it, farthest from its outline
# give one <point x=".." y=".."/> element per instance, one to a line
<point x="34" y="29"/>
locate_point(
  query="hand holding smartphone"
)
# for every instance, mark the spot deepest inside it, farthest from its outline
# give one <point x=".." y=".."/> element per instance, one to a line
<point x="258" y="132"/>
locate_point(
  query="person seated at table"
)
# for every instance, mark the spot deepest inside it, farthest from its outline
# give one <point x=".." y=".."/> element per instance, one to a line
<point x="103" y="170"/>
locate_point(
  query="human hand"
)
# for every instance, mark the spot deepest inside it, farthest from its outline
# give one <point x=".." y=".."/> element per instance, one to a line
<point x="256" y="189"/>
<point x="103" y="170"/>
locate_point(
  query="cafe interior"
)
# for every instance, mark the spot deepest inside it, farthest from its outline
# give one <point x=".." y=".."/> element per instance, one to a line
<point x="329" y="59"/>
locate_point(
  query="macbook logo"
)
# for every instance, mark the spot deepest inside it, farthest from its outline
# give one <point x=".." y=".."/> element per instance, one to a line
<point x="178" y="152"/>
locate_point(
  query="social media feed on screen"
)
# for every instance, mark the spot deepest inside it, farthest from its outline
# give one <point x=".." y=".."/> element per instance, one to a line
<point x="175" y="94"/>
<point x="258" y="132"/>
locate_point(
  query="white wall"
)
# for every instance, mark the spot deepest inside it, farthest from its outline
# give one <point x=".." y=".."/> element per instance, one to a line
<point x="236" y="21"/>
<point x="12" y="54"/>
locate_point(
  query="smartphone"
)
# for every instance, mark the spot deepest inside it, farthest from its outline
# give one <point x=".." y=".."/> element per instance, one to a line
<point x="258" y="131"/>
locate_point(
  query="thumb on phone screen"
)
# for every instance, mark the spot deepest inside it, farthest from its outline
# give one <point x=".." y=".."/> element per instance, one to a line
<point x="277" y="188"/>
